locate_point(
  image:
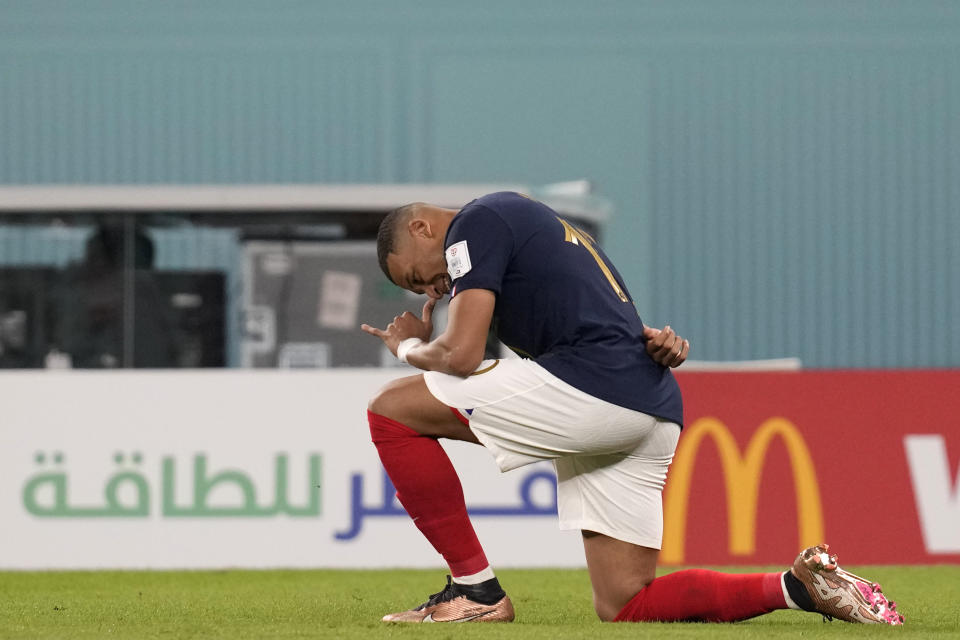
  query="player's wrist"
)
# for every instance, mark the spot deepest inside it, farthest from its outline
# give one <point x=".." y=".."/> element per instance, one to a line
<point x="405" y="346"/>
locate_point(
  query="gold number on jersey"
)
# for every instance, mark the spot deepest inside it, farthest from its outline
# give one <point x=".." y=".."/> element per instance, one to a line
<point x="575" y="236"/>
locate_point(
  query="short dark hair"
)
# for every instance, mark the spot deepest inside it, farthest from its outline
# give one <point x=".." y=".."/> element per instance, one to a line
<point x="387" y="233"/>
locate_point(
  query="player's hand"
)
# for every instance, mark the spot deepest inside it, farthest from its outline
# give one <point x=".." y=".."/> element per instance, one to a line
<point x="404" y="326"/>
<point x="665" y="346"/>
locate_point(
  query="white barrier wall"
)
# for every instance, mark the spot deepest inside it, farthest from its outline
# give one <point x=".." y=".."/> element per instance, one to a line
<point x="233" y="469"/>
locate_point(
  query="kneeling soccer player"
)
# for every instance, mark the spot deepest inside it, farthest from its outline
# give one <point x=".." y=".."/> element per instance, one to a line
<point x="593" y="392"/>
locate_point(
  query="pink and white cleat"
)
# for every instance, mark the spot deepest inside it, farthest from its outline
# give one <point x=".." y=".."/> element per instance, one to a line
<point x="840" y="594"/>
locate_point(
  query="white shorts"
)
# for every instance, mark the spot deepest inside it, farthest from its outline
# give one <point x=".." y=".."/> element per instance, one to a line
<point x="611" y="462"/>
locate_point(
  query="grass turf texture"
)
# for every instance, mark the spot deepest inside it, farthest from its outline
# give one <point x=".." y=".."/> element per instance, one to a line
<point x="348" y="604"/>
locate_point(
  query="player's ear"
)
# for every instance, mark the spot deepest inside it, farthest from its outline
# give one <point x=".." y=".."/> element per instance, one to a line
<point x="419" y="228"/>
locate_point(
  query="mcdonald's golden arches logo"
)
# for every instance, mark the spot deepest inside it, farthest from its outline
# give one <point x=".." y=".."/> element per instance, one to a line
<point x="742" y="475"/>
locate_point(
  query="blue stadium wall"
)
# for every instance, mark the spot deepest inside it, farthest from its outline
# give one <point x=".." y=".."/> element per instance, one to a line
<point x="786" y="175"/>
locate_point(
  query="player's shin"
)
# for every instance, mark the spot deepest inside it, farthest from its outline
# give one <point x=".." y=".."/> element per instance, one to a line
<point x="705" y="596"/>
<point x="429" y="489"/>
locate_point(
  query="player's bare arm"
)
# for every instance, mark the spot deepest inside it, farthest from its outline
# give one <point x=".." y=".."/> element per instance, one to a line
<point x="459" y="349"/>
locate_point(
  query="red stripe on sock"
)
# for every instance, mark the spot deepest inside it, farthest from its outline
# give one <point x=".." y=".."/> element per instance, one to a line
<point x="698" y="595"/>
<point x="429" y="489"/>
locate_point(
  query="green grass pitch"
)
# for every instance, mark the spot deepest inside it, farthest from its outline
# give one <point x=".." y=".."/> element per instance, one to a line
<point x="348" y="604"/>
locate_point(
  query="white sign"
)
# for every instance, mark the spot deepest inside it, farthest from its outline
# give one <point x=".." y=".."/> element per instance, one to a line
<point x="339" y="300"/>
<point x="233" y="469"/>
<point x="936" y="492"/>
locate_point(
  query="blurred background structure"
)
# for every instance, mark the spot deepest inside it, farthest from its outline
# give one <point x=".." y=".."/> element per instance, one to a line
<point x="785" y="177"/>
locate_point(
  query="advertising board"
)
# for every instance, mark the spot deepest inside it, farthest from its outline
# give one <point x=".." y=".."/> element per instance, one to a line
<point x="233" y="469"/>
<point x="207" y="469"/>
<point x="770" y="463"/>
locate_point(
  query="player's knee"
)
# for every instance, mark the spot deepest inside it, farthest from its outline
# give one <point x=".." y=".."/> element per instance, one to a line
<point x="610" y="603"/>
<point x="386" y="401"/>
<point x="607" y="608"/>
<point x="605" y="611"/>
<point x="380" y="402"/>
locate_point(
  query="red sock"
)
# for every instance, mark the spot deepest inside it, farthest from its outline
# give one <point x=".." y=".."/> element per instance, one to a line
<point x="429" y="489"/>
<point x="698" y="595"/>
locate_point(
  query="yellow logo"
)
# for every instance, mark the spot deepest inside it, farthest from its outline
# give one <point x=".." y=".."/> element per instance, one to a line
<point x="743" y="475"/>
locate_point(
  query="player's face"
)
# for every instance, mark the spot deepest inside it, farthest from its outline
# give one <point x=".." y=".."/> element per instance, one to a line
<point x="419" y="266"/>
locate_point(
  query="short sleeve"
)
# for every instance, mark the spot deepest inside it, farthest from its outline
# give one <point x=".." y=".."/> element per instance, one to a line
<point x="479" y="245"/>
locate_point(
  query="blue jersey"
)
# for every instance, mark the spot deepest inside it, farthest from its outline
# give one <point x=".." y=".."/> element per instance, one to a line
<point x="559" y="301"/>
